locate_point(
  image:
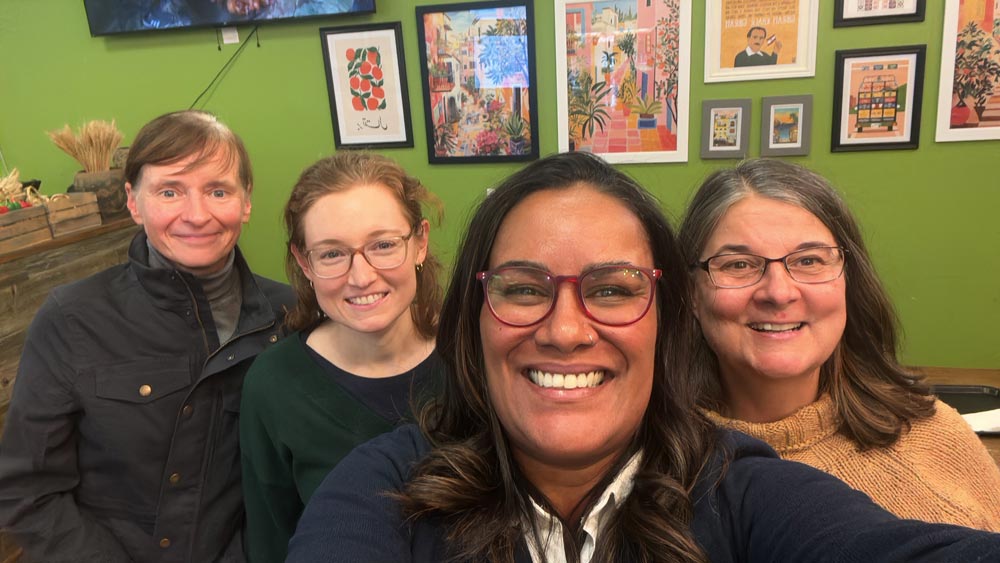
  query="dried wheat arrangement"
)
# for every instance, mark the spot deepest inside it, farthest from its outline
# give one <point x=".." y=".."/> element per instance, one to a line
<point x="92" y="145"/>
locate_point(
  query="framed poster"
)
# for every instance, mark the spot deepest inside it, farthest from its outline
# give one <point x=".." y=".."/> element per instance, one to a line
<point x="877" y="98"/>
<point x="754" y="40"/>
<point x="969" y="89"/>
<point x="847" y="13"/>
<point x="785" y="125"/>
<point x="366" y="81"/>
<point x="477" y="64"/>
<point x="725" y="128"/>
<point x="622" y="78"/>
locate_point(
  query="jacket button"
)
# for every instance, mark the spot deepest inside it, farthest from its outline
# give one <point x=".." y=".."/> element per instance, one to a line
<point x="274" y="338"/>
<point x="186" y="411"/>
<point x="165" y="543"/>
<point x="231" y="357"/>
<point x="175" y="478"/>
<point x="145" y="390"/>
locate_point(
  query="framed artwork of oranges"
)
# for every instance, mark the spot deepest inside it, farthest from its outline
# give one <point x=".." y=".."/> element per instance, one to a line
<point x="366" y="79"/>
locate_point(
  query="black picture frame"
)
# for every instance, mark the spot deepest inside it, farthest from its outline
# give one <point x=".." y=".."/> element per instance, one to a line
<point x="369" y="97"/>
<point x="481" y="109"/>
<point x="842" y="19"/>
<point x="869" y="97"/>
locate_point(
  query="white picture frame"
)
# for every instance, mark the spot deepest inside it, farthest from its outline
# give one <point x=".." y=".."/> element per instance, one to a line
<point x="788" y="49"/>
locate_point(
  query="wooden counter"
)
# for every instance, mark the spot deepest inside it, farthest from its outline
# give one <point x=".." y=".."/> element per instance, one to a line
<point x="28" y="274"/>
<point x="968" y="376"/>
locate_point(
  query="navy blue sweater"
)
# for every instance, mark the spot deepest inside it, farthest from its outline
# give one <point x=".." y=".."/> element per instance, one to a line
<point x="763" y="509"/>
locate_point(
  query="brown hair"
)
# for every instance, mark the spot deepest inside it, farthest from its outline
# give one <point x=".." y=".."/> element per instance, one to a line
<point x="469" y="478"/>
<point x="339" y="172"/>
<point x="172" y="137"/>
<point x="875" y="396"/>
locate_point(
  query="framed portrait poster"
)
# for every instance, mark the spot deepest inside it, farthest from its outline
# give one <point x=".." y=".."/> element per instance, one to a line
<point x="847" y="13"/>
<point x="622" y="78"/>
<point x="754" y="40"/>
<point x="785" y="125"/>
<point x="969" y="89"/>
<point x="877" y="98"/>
<point x="477" y="64"/>
<point x="366" y="80"/>
<point x="725" y="128"/>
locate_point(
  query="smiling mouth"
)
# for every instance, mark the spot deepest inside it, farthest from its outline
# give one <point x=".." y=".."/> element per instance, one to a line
<point x="366" y="299"/>
<point x="566" y="380"/>
<point x="775" y="327"/>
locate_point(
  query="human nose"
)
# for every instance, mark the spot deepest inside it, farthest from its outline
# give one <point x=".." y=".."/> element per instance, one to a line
<point x="195" y="210"/>
<point x="776" y="285"/>
<point x="361" y="273"/>
<point x="567" y="325"/>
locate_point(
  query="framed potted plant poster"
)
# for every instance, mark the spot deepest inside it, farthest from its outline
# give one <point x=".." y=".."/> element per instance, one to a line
<point x="365" y="77"/>
<point x="477" y="62"/>
<point x="969" y="90"/>
<point x="622" y="78"/>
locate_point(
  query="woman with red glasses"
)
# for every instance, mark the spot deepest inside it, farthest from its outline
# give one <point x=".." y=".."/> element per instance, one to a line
<point x="566" y="430"/>
<point x="368" y="298"/>
<point x="799" y="348"/>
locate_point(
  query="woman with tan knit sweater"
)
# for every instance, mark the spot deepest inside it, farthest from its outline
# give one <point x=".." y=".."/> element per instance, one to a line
<point x="799" y="348"/>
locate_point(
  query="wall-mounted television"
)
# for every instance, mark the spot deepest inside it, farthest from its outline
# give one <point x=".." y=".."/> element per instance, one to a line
<point x="107" y="17"/>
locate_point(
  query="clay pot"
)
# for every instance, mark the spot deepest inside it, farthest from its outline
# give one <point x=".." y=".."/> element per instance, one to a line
<point x="109" y="186"/>
<point x="959" y="115"/>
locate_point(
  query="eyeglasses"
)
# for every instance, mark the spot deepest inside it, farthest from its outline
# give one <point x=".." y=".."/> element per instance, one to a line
<point x="334" y="261"/>
<point x="610" y="295"/>
<point x="819" y="264"/>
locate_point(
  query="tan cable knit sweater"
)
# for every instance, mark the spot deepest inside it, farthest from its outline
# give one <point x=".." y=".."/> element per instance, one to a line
<point x="939" y="471"/>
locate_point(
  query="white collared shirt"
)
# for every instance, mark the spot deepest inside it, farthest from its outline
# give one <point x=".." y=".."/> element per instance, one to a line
<point x="750" y="52"/>
<point x="551" y="530"/>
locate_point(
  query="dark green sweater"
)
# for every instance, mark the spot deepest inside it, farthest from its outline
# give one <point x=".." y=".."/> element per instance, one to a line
<point x="296" y="424"/>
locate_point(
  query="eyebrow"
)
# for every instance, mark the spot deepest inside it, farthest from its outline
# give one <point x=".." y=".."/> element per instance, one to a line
<point x="372" y="237"/>
<point x="744" y="249"/>
<point x="543" y="267"/>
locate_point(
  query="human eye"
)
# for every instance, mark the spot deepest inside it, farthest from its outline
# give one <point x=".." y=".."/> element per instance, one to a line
<point x="736" y="264"/>
<point x="219" y="194"/>
<point x="385" y="246"/>
<point x="612" y="285"/>
<point x="810" y="259"/>
<point x="520" y="288"/>
<point x="168" y="194"/>
<point x="329" y="254"/>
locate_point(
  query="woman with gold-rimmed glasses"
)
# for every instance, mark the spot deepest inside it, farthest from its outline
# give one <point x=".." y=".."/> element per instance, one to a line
<point x="799" y="348"/>
<point x="367" y="309"/>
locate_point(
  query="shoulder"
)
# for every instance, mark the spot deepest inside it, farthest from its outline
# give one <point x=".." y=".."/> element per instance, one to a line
<point x="280" y="295"/>
<point x="82" y="292"/>
<point x="269" y="375"/>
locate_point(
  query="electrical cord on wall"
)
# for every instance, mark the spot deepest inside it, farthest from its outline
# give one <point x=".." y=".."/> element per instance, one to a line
<point x="226" y="66"/>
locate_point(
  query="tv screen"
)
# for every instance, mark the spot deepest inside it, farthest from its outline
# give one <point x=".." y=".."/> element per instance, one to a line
<point x="107" y="17"/>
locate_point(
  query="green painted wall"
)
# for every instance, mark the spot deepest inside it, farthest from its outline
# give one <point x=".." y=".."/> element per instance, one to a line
<point x="929" y="214"/>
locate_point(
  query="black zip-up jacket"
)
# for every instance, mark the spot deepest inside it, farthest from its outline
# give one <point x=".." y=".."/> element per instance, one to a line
<point x="121" y="442"/>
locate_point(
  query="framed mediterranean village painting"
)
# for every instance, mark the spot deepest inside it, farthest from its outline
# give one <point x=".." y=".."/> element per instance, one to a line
<point x="622" y="78"/>
<point x="477" y="64"/>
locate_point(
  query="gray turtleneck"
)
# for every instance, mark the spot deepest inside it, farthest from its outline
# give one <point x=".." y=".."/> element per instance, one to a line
<point x="223" y="290"/>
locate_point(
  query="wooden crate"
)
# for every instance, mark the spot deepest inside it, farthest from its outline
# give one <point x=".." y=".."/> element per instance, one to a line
<point x="72" y="213"/>
<point x="23" y="227"/>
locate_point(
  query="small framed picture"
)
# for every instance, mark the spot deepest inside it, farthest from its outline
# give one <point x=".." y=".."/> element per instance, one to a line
<point x="477" y="62"/>
<point x="847" y="13"/>
<point x="365" y="77"/>
<point x="785" y="125"/>
<point x="877" y="97"/>
<point x="725" y="128"/>
<point x="757" y="40"/>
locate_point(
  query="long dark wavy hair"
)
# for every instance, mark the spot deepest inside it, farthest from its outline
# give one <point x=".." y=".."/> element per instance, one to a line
<point x="874" y="395"/>
<point x="470" y="480"/>
<point x="340" y="172"/>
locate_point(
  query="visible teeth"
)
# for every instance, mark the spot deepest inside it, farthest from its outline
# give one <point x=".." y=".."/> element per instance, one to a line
<point x="773" y="327"/>
<point x="566" y="381"/>
<point x="366" y="299"/>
